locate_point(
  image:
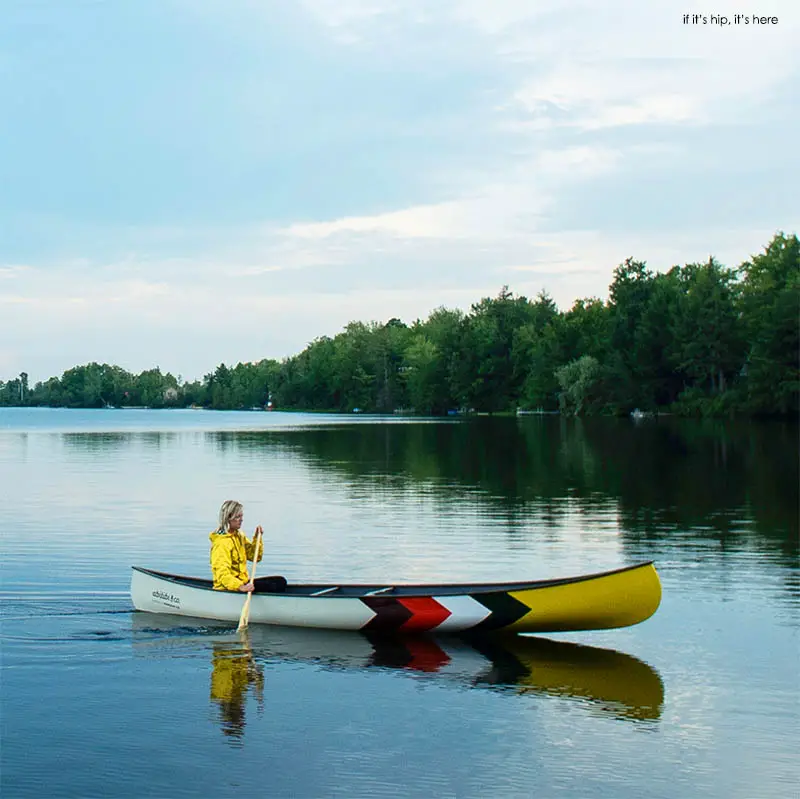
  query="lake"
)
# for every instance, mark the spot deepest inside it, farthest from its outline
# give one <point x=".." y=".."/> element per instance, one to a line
<point x="701" y="700"/>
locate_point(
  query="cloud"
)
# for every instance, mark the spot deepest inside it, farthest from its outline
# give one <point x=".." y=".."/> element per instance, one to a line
<point x="591" y="66"/>
<point x="443" y="219"/>
<point x="12" y="271"/>
<point x="594" y="96"/>
<point x="345" y="13"/>
<point x="498" y="208"/>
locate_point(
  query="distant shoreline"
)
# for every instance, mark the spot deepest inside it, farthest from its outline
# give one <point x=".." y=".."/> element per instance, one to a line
<point x="700" y="340"/>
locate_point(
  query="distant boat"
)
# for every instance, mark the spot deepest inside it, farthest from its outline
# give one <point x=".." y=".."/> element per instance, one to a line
<point x="638" y="415"/>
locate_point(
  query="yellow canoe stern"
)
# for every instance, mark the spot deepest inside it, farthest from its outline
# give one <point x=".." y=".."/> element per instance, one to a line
<point x="618" y="599"/>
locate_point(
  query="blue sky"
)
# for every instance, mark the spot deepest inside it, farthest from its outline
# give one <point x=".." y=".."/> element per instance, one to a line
<point x="186" y="182"/>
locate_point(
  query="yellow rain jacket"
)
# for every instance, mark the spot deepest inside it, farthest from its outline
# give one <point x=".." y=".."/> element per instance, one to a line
<point x="229" y="555"/>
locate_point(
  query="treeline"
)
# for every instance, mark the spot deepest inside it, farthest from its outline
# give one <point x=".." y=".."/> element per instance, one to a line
<point x="701" y="339"/>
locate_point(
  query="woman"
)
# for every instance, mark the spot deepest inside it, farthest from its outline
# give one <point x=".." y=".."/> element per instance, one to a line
<point x="230" y="551"/>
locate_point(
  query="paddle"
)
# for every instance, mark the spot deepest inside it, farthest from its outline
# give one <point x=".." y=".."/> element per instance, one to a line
<point x="245" y="617"/>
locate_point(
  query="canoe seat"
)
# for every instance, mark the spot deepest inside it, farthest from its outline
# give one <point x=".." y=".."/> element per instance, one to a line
<point x="325" y="591"/>
<point x="380" y="590"/>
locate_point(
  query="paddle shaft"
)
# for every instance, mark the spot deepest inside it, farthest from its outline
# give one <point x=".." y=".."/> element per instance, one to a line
<point x="245" y="617"/>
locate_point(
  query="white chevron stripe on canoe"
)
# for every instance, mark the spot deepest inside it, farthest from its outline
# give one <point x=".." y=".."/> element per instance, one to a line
<point x="342" y="613"/>
<point x="465" y="612"/>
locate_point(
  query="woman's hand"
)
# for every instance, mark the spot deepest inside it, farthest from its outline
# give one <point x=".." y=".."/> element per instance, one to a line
<point x="259" y="531"/>
<point x="247" y="587"/>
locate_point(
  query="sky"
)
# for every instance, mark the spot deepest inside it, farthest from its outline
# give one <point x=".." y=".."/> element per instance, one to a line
<point x="185" y="183"/>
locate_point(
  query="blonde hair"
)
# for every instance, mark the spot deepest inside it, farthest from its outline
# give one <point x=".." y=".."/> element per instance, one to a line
<point x="228" y="510"/>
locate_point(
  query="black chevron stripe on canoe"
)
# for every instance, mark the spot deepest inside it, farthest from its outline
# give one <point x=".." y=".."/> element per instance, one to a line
<point x="504" y="609"/>
<point x="391" y="614"/>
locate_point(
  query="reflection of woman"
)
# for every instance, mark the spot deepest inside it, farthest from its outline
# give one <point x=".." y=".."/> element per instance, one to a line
<point x="232" y="674"/>
<point x="231" y="549"/>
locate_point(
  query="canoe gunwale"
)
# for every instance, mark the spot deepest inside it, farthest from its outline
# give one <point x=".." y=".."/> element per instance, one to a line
<point x="350" y="590"/>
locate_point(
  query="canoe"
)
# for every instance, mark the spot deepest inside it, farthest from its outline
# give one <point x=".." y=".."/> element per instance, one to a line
<point x="608" y="681"/>
<point x="602" y="601"/>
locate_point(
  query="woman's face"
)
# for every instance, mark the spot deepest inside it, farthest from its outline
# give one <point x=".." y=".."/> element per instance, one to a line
<point x="235" y="521"/>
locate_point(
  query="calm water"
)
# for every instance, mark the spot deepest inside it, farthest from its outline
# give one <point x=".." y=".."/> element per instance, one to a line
<point x="702" y="700"/>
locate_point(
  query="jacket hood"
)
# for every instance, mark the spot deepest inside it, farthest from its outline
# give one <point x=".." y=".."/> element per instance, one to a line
<point x="215" y="534"/>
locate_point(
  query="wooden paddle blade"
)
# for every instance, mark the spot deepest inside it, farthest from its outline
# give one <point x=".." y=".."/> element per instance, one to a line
<point x="245" y="617"/>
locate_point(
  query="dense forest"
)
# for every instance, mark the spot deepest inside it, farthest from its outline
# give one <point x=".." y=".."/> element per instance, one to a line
<point x="701" y="339"/>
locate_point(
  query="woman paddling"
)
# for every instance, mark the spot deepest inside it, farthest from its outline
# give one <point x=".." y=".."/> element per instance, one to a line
<point x="230" y="551"/>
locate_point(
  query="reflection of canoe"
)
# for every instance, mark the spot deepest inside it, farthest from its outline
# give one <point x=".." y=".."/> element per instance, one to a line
<point x="594" y="602"/>
<point x="611" y="681"/>
<point x="623" y="684"/>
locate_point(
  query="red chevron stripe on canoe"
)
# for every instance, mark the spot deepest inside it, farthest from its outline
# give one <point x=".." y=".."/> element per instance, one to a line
<point x="426" y="613"/>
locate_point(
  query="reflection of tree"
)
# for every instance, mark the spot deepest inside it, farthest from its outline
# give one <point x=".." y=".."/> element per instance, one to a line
<point x="664" y="476"/>
<point x="96" y="441"/>
<point x="105" y="440"/>
<point x="234" y="672"/>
